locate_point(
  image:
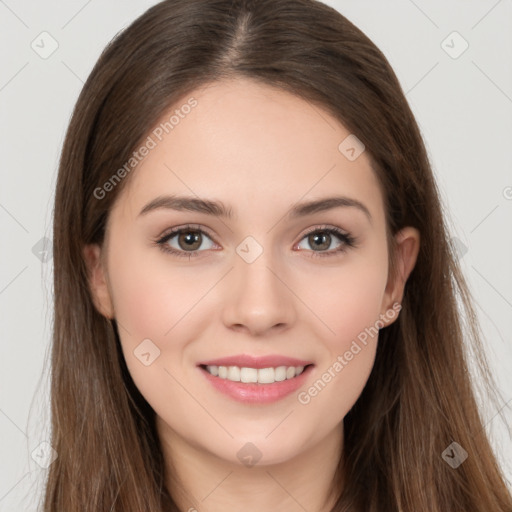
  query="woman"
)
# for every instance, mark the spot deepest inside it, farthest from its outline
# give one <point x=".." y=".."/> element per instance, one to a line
<point x="255" y="293"/>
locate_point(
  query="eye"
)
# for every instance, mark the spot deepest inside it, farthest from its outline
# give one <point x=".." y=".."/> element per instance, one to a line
<point x="188" y="240"/>
<point x="321" y="238"/>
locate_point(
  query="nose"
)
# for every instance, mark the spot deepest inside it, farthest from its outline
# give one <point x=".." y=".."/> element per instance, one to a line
<point x="258" y="298"/>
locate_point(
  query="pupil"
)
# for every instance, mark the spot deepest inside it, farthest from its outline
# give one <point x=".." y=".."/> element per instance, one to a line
<point x="323" y="245"/>
<point x="191" y="239"/>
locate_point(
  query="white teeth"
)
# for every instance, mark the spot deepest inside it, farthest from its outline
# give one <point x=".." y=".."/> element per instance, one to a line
<point x="281" y="373"/>
<point x="261" y="375"/>
<point x="266" y="375"/>
<point x="234" y="373"/>
<point x="248" y="375"/>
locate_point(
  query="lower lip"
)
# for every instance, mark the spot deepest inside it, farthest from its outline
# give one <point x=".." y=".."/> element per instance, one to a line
<point x="254" y="392"/>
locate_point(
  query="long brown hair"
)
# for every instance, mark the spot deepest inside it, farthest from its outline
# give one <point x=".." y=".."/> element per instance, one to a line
<point x="419" y="397"/>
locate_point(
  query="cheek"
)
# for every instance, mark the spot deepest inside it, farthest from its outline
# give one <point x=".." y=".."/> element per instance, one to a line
<point x="348" y="299"/>
<point x="150" y="299"/>
<point x="153" y="303"/>
<point x="350" y="307"/>
<point x="162" y="302"/>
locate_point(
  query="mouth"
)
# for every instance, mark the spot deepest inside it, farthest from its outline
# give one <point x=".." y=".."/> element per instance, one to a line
<point x="260" y="383"/>
<point x="249" y="375"/>
<point x="257" y="379"/>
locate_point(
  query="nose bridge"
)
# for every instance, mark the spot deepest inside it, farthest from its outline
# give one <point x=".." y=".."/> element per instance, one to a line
<point x="258" y="297"/>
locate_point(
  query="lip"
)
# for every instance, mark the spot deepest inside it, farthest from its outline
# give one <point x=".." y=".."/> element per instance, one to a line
<point x="249" y="361"/>
<point x="255" y="393"/>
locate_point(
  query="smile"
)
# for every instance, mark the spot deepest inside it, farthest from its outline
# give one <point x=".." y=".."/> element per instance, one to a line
<point x="254" y="375"/>
<point x="256" y="385"/>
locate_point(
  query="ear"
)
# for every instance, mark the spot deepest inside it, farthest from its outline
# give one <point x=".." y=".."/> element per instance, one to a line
<point x="97" y="277"/>
<point x="407" y="249"/>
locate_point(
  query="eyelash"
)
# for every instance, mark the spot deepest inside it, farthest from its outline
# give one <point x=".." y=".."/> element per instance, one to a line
<point x="347" y="239"/>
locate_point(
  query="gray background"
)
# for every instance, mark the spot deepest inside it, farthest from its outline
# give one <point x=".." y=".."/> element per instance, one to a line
<point x="463" y="104"/>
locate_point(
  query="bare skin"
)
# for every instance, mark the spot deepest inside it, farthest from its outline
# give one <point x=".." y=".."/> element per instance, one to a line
<point x="259" y="151"/>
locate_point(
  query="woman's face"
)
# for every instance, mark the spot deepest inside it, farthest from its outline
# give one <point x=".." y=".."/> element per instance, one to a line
<point x="255" y="274"/>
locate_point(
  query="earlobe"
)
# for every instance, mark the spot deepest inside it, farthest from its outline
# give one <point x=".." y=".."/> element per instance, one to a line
<point x="97" y="279"/>
<point x="407" y="249"/>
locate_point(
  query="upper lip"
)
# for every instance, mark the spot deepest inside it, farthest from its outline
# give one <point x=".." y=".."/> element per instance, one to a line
<point x="249" y="361"/>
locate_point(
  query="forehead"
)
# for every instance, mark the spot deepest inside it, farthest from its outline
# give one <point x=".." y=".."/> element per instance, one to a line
<point x="251" y="146"/>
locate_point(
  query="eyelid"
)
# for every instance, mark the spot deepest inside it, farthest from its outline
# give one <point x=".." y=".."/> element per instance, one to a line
<point x="322" y="227"/>
<point x="348" y="240"/>
<point x="202" y="229"/>
<point x="161" y="240"/>
<point x="184" y="227"/>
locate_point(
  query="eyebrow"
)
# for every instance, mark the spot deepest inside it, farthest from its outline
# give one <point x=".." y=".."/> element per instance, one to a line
<point x="218" y="209"/>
